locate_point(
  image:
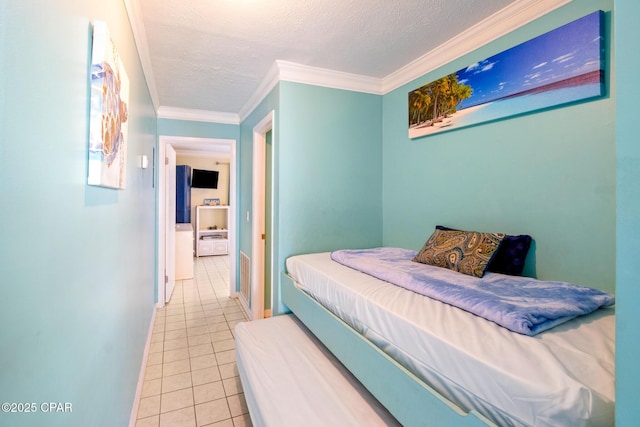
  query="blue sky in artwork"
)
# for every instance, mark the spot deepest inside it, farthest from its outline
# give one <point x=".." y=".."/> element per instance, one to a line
<point x="565" y="52"/>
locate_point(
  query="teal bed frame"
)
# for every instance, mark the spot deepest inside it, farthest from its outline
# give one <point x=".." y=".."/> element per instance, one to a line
<point x="407" y="397"/>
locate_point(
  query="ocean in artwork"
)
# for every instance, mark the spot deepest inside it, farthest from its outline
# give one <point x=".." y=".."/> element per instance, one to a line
<point x="522" y="104"/>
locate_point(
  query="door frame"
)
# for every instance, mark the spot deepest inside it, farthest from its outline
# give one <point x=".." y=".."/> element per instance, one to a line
<point x="196" y="145"/>
<point x="260" y="131"/>
<point x="168" y="244"/>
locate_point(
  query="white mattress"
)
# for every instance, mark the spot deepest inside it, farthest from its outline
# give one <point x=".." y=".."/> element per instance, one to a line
<point x="291" y="379"/>
<point x="564" y="376"/>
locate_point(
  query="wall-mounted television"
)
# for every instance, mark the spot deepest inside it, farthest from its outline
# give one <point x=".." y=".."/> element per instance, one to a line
<point x="202" y="178"/>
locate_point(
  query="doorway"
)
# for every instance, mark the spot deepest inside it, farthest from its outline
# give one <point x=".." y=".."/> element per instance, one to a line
<point x="262" y="243"/>
<point x="195" y="147"/>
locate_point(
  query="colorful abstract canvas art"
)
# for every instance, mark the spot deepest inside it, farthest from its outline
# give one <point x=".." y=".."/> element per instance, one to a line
<point x="559" y="67"/>
<point x="109" y="112"/>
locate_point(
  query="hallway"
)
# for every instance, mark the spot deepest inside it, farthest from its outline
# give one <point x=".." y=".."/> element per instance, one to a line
<point x="191" y="378"/>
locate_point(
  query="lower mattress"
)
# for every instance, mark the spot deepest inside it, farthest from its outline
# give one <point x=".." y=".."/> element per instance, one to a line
<point x="291" y="379"/>
<point x="564" y="376"/>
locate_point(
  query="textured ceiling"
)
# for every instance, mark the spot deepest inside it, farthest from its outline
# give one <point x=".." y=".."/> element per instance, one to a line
<point x="213" y="54"/>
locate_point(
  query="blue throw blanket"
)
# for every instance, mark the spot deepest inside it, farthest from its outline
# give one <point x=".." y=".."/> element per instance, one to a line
<point x="521" y="304"/>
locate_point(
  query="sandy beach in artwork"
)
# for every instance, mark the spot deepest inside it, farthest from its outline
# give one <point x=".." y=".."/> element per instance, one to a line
<point x="446" y="123"/>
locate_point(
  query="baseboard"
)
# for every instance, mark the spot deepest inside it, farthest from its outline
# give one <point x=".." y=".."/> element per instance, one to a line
<point x="136" y="398"/>
<point x="267" y="313"/>
<point x="244" y="305"/>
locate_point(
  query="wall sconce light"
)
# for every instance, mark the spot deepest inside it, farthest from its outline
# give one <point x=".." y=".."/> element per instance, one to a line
<point x="143" y="161"/>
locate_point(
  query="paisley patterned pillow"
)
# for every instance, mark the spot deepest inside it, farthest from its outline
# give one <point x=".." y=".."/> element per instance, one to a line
<point x="466" y="252"/>
<point x="510" y="256"/>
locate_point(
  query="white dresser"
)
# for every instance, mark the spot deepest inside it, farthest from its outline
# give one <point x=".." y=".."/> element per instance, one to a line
<point x="184" y="251"/>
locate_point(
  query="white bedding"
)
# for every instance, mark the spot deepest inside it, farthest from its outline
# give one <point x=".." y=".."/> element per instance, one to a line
<point x="564" y="376"/>
<point x="291" y="379"/>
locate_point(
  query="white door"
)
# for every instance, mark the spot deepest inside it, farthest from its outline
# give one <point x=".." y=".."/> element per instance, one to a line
<point x="170" y="223"/>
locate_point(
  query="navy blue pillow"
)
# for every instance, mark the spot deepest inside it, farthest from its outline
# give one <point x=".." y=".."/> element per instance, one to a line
<point x="510" y="256"/>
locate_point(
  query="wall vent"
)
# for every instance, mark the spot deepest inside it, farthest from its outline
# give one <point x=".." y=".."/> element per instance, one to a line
<point x="245" y="278"/>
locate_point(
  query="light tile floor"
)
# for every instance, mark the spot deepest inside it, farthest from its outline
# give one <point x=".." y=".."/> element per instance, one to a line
<point x="191" y="378"/>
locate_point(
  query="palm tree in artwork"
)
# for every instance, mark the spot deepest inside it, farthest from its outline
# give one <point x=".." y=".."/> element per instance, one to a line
<point x="442" y="89"/>
<point x="463" y="92"/>
<point x="456" y="94"/>
<point x="419" y="101"/>
<point x="434" y="101"/>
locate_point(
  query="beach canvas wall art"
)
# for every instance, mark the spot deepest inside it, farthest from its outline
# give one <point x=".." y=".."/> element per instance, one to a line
<point x="109" y="112"/>
<point x="562" y="66"/>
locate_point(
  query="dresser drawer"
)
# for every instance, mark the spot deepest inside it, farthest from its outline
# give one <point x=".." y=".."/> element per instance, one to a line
<point x="205" y="247"/>
<point x="220" y="246"/>
<point x="208" y="247"/>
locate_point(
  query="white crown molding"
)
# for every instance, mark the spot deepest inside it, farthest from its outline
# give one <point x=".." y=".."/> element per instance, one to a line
<point x="193" y="115"/>
<point x="134" y="12"/>
<point x="268" y="83"/>
<point x="298" y="73"/>
<point x="506" y="20"/>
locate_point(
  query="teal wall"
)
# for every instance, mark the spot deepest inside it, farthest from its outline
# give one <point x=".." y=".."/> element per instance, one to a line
<point x="77" y="261"/>
<point x="329" y="157"/>
<point x="326" y="156"/>
<point x="245" y="187"/>
<point x="270" y="103"/>
<point x="268" y="218"/>
<point x="627" y="16"/>
<point x="549" y="174"/>
<point x="3" y="17"/>
<point x="186" y="128"/>
<point x="329" y="171"/>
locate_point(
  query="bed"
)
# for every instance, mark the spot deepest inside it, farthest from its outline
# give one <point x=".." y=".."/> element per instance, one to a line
<point x="431" y="363"/>
<point x="290" y="379"/>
